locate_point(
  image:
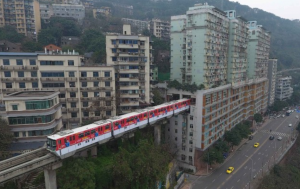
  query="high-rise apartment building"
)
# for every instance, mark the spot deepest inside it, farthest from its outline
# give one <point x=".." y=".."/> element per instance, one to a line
<point x="258" y="50"/>
<point x="87" y="92"/>
<point x="284" y="90"/>
<point x="160" y="28"/>
<point x="199" y="45"/>
<point x="69" y="11"/>
<point x="237" y="51"/>
<point x="24" y="15"/>
<point x="211" y="47"/>
<point x="272" y="71"/>
<point x="131" y="56"/>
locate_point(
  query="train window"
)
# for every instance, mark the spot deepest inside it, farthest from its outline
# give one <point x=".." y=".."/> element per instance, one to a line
<point x="132" y="119"/>
<point x="135" y="117"/>
<point x="81" y="135"/>
<point x="107" y="127"/>
<point x="65" y="141"/>
<point x="93" y="131"/>
<point x="59" y="142"/>
<point x="128" y="120"/>
<point x="87" y="133"/>
<point x="116" y="123"/>
<point x="99" y="129"/>
<point x="70" y="138"/>
<point x="145" y="115"/>
<point x="73" y="137"/>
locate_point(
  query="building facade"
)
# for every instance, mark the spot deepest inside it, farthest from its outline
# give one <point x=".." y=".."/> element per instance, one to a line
<point x="71" y="41"/>
<point x="160" y="28"/>
<point x="32" y="115"/>
<point x="103" y="11"/>
<point x="272" y="71"/>
<point x="46" y="11"/>
<point x="69" y="11"/>
<point x="87" y="92"/>
<point x="141" y="25"/>
<point x="284" y="90"/>
<point x="22" y="14"/>
<point x="258" y="51"/>
<point x="201" y="56"/>
<point x="131" y="56"/>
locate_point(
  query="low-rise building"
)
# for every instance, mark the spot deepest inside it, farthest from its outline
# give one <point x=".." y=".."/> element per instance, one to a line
<point x="284" y="90"/>
<point x="70" y="41"/>
<point x="69" y="11"/>
<point x="160" y="28"/>
<point x="87" y="92"/>
<point x="7" y="46"/>
<point x="141" y="25"/>
<point x="103" y="11"/>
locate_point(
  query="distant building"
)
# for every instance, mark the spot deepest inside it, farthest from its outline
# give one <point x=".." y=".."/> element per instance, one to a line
<point x="70" y="41"/>
<point x="24" y="15"/>
<point x="32" y="115"/>
<point x="52" y="48"/>
<point x="69" y="11"/>
<point x="7" y="46"/>
<point x="284" y="90"/>
<point x="160" y="28"/>
<point x="103" y="11"/>
<point x="88" y="3"/>
<point x="124" y="9"/>
<point x="272" y="70"/>
<point x="46" y="11"/>
<point x="139" y="24"/>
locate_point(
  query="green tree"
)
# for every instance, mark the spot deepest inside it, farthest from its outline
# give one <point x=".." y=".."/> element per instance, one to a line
<point x="243" y="130"/>
<point x="233" y="137"/>
<point x="258" y="117"/>
<point x="76" y="173"/>
<point x="31" y="46"/>
<point x="157" y="99"/>
<point x="212" y="156"/>
<point x="222" y="146"/>
<point x="6" y="138"/>
<point x="10" y="33"/>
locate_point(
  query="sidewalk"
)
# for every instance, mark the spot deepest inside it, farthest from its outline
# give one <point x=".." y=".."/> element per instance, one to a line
<point x="203" y="171"/>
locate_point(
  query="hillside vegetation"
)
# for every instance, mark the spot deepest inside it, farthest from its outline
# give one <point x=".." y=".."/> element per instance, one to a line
<point x="285" y="43"/>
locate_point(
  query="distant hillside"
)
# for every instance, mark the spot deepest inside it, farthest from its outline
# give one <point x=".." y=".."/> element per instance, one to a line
<point x="285" y="44"/>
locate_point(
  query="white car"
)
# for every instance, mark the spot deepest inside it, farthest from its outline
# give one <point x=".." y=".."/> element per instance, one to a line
<point x="279" y="138"/>
<point x="290" y="125"/>
<point x="283" y="115"/>
<point x="297" y="117"/>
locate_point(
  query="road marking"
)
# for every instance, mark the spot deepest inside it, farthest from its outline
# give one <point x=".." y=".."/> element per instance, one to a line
<point x="205" y="187"/>
<point x="244" y="174"/>
<point x="258" y="158"/>
<point x="238" y="180"/>
<point x="266" y="150"/>
<point x="220" y="174"/>
<point x="245" y="167"/>
<point x="232" y="187"/>
<point x="214" y="180"/>
<point x="254" y="163"/>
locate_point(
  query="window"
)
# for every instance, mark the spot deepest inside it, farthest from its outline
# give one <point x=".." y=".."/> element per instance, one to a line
<point x="73" y="104"/>
<point x="175" y="138"/>
<point x="84" y="84"/>
<point x="108" y="103"/>
<point x="175" y="130"/>
<point x="15" y="107"/>
<point x="97" y="113"/>
<point x="176" y="122"/>
<point x="35" y="85"/>
<point x="33" y="74"/>
<point x="191" y="133"/>
<point x="7" y="74"/>
<point x="53" y="74"/>
<point x="108" y="113"/>
<point x="20" y="74"/>
<point x="72" y="94"/>
<point x="96" y="94"/>
<point x="114" y="59"/>
<point x="71" y="74"/>
<point x="191" y="117"/>
<point x="19" y="62"/>
<point x="85" y="104"/>
<point x="45" y="85"/>
<point x="22" y="85"/>
<point x="191" y="149"/>
<point x="191" y="126"/>
<point x="107" y="83"/>
<point x="8" y="85"/>
<point x="182" y="157"/>
<point x="6" y="62"/>
<point x="32" y="62"/>
<point x="16" y="134"/>
<point x="85" y="114"/>
<point x="107" y="94"/>
<point x="62" y="95"/>
<point x="84" y="94"/>
<point x="73" y="114"/>
<point x="72" y="84"/>
<point x="106" y="74"/>
<point x="51" y="63"/>
<point x="113" y="50"/>
<point x="70" y="62"/>
<point x="113" y="42"/>
<point x="83" y="74"/>
<point x="24" y="134"/>
<point x="96" y="83"/>
<point x="95" y="74"/>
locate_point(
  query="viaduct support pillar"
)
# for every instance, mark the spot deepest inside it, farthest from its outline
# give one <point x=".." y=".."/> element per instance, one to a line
<point x="50" y="175"/>
<point x="157" y="134"/>
<point x="94" y="151"/>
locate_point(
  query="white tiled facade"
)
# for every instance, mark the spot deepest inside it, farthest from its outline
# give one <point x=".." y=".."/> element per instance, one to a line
<point x="272" y="70"/>
<point x="284" y="90"/>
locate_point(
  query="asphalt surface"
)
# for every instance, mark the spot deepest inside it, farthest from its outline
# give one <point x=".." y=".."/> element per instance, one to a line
<point x="261" y="157"/>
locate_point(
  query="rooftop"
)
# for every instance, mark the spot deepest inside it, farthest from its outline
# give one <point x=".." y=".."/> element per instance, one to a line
<point x="19" y="54"/>
<point x="30" y="95"/>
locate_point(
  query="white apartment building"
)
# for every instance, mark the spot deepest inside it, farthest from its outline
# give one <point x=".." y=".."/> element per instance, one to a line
<point x="69" y="11"/>
<point x="131" y="56"/>
<point x="160" y="28"/>
<point x="272" y="71"/>
<point x="87" y="92"/>
<point x="284" y="90"/>
<point x="139" y="24"/>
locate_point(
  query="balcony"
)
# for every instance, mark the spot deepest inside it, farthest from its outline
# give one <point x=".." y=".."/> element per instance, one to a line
<point x="128" y="71"/>
<point x="72" y="99"/>
<point x="130" y="103"/>
<point x="74" y="120"/>
<point x="52" y="79"/>
<point x="71" y="79"/>
<point x="73" y="109"/>
<point x="127" y="95"/>
<point x="62" y="100"/>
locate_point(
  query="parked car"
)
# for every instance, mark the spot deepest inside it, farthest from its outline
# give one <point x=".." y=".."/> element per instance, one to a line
<point x="250" y="137"/>
<point x="290" y="125"/>
<point x="271" y="137"/>
<point x="279" y="138"/>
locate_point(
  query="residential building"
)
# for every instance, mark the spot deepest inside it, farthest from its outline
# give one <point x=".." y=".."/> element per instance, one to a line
<point x="258" y="50"/>
<point x="284" y="90"/>
<point x="238" y="39"/>
<point x="141" y="25"/>
<point x="46" y="11"/>
<point x="160" y="28"/>
<point x="154" y="74"/>
<point x="103" y="11"/>
<point x="131" y="56"/>
<point x="87" y="92"/>
<point x="212" y="112"/>
<point x="71" y="41"/>
<point x="272" y="71"/>
<point x="7" y="46"/>
<point x="69" y="11"/>
<point x="88" y="3"/>
<point x="123" y="9"/>
<point x="52" y="48"/>
<point x="32" y="115"/>
<point x="24" y="15"/>
<point x="199" y="45"/>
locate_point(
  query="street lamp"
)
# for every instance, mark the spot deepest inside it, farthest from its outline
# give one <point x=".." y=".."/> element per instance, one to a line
<point x="251" y="169"/>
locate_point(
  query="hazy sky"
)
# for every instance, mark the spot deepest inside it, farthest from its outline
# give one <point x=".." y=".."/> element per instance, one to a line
<point x="289" y="9"/>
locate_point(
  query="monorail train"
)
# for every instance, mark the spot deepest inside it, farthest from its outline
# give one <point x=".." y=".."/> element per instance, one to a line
<point x="65" y="143"/>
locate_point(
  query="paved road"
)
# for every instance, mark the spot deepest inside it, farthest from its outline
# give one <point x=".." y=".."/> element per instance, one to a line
<point x="260" y="157"/>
